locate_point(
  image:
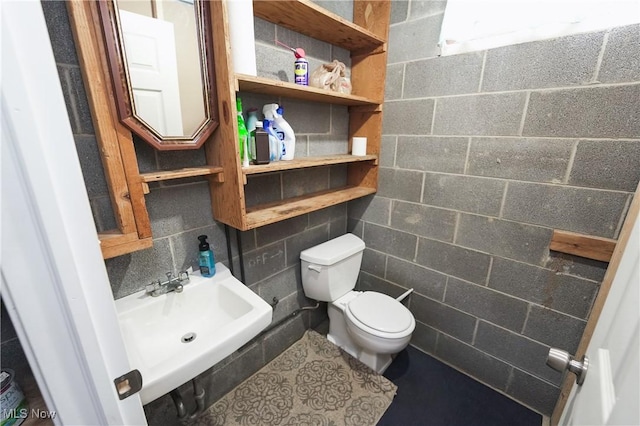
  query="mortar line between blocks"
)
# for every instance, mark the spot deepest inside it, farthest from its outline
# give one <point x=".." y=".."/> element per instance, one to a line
<point x="526" y="318"/>
<point x="475" y="332"/>
<point x="433" y="117"/>
<point x="524" y="113"/>
<point x="572" y="157"/>
<point x="489" y="270"/>
<point x="404" y="73"/>
<point x="455" y="228"/>
<point x="484" y="61"/>
<point x="466" y="159"/>
<point x="596" y="71"/>
<point x="504" y="200"/>
<point x="395" y="151"/>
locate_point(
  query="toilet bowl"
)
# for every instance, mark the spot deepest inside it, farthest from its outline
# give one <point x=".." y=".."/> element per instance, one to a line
<point x="369" y="325"/>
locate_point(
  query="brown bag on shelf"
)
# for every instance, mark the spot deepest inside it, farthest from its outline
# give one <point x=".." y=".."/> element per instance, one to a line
<point x="331" y="77"/>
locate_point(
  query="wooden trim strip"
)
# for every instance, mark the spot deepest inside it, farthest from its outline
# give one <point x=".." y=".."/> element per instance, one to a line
<point x="596" y="248"/>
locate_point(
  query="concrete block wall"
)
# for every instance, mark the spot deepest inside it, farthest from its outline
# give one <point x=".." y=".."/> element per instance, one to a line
<point x="483" y="155"/>
<point x="180" y="210"/>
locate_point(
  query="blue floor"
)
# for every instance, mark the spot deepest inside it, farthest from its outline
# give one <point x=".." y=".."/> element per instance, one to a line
<point x="432" y="393"/>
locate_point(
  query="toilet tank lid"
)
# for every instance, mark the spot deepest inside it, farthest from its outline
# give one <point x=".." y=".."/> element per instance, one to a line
<point x="333" y="251"/>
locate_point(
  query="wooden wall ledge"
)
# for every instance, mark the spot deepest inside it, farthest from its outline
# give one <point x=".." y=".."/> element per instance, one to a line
<point x="596" y="248"/>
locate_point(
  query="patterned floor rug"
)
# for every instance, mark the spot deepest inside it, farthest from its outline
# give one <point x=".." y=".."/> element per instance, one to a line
<point x="311" y="383"/>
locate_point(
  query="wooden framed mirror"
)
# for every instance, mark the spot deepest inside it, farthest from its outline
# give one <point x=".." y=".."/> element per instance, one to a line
<point x="160" y="54"/>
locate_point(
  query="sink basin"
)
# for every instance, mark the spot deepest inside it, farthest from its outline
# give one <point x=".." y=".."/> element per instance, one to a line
<point x="174" y="337"/>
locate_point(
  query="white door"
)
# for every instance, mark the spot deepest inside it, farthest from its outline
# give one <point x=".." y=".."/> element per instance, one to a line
<point x="54" y="281"/>
<point x="610" y="394"/>
<point x="150" y="49"/>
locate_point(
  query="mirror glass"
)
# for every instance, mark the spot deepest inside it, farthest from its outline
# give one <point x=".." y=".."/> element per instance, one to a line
<point x="161" y="62"/>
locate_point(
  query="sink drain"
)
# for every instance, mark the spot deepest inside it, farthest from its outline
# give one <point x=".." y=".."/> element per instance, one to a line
<point x="189" y="337"/>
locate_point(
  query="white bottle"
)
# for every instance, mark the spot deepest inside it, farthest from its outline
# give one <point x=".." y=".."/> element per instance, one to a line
<point x="282" y="128"/>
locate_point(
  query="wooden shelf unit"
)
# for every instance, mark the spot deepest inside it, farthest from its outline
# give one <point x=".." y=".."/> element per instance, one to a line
<point x="181" y="173"/>
<point x="305" y="162"/>
<point x="263" y="214"/>
<point x="366" y="39"/>
<point x="247" y="83"/>
<point x="305" y="17"/>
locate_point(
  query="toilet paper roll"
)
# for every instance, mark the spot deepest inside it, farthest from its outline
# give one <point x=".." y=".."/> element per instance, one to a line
<point x="359" y="146"/>
<point x="241" y="36"/>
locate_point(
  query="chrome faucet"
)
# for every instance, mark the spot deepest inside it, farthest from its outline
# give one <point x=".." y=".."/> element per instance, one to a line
<point x="157" y="288"/>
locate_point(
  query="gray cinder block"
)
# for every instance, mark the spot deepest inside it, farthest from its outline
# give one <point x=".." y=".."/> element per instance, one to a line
<point x="536" y="393"/>
<point x="529" y="159"/>
<point x="391" y="241"/>
<point x="466" y="193"/>
<point x="621" y="60"/>
<point x="441" y="76"/>
<point x="409" y="275"/>
<point x="606" y="164"/>
<point x="393" y="82"/>
<point x="540" y="64"/>
<point x="305" y="181"/>
<point x="517" y="350"/>
<point x="431" y="153"/>
<point x="513" y="240"/>
<point x="129" y="273"/>
<point x="400" y="184"/>
<point x="595" y="112"/>
<point x="573" y="209"/>
<point x="264" y="262"/>
<point x="442" y="317"/>
<point x="372" y="208"/>
<point x="407" y="117"/>
<point x="480" y="115"/>
<point x="374" y="262"/>
<point x="415" y="39"/>
<point x="554" y="329"/>
<point x="167" y="218"/>
<point x="564" y="293"/>
<point x="486" y="304"/>
<point x="423" y="220"/>
<point x="463" y="263"/>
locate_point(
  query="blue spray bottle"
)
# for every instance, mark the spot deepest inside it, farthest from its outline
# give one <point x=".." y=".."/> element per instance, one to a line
<point x="205" y="258"/>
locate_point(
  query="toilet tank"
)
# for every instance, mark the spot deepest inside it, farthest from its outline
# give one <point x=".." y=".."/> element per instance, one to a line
<point x="330" y="270"/>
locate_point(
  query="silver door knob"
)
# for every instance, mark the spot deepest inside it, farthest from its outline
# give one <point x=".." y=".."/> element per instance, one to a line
<point x="560" y="360"/>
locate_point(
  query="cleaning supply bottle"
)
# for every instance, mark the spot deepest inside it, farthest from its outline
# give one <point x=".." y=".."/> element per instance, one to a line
<point x="301" y="67"/>
<point x="205" y="258"/>
<point x="243" y="135"/>
<point x="282" y="128"/>
<point x="275" y="144"/>
<point x="262" y="145"/>
<point x="251" y="128"/>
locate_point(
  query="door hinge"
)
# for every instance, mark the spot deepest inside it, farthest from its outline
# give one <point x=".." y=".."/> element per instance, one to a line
<point x="128" y="384"/>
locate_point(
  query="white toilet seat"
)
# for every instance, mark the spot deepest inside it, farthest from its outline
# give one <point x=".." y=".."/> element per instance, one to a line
<point x="364" y="311"/>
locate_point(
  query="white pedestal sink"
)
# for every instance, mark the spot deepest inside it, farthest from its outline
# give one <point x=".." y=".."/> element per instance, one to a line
<point x="174" y="337"/>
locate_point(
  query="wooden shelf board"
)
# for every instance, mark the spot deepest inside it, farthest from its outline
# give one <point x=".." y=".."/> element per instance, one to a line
<point x="265" y="214"/>
<point x="597" y="248"/>
<point x="305" y="17"/>
<point x="265" y="86"/>
<point x="180" y="173"/>
<point x="114" y="243"/>
<point x="301" y="163"/>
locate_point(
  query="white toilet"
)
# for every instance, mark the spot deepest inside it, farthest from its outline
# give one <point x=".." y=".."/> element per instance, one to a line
<point x="370" y="326"/>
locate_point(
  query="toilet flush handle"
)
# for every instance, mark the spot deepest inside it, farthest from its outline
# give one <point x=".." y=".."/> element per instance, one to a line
<point x="314" y="267"/>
